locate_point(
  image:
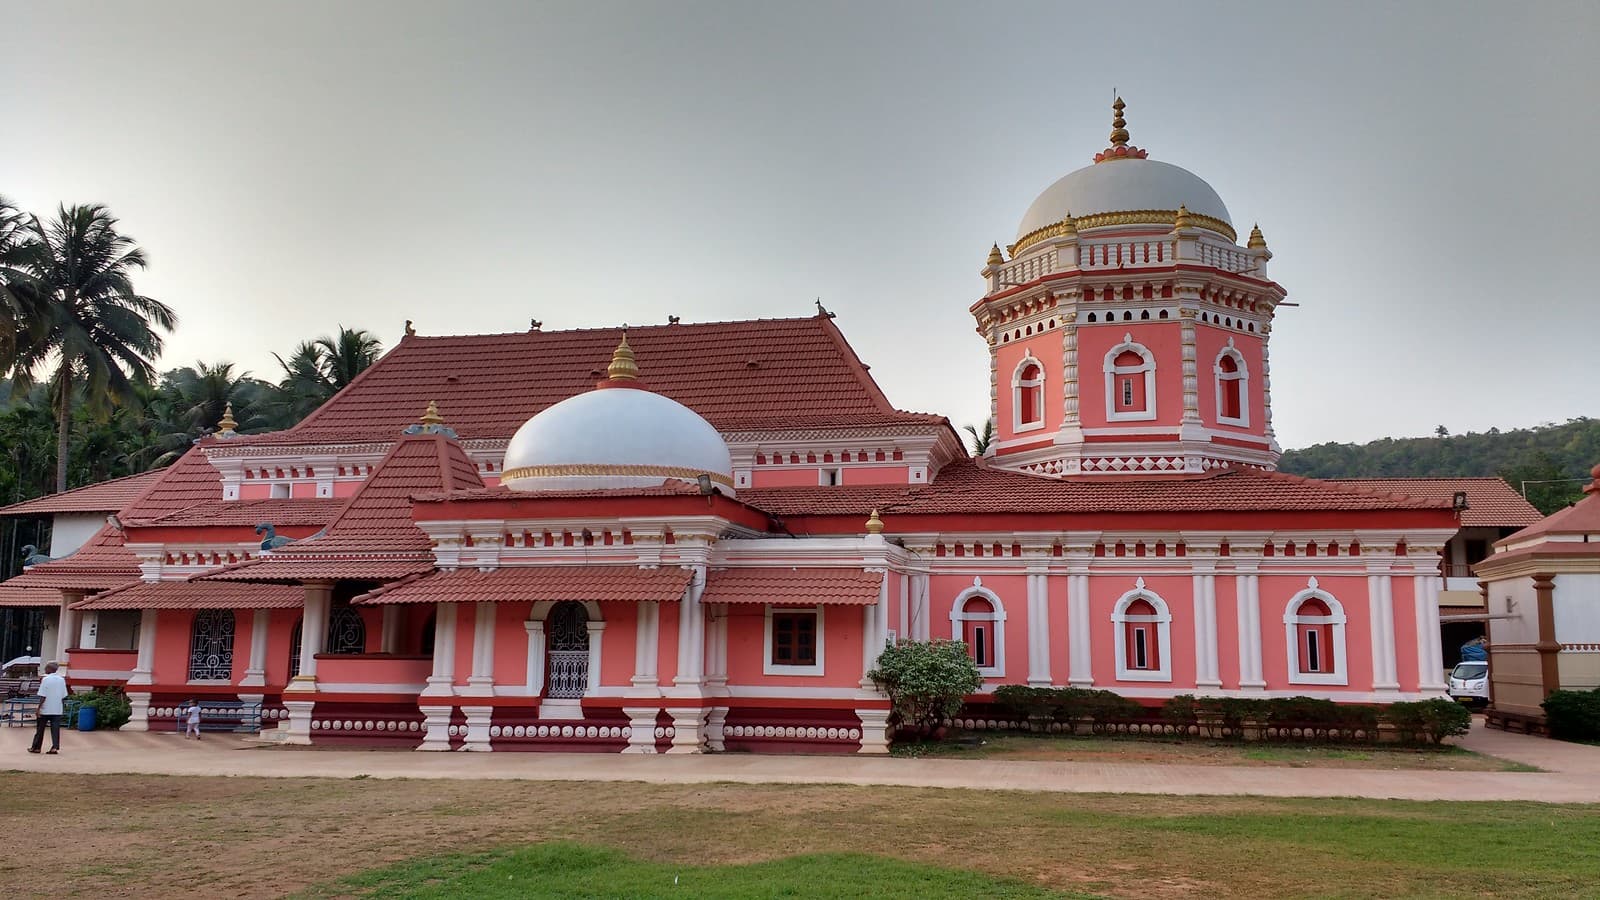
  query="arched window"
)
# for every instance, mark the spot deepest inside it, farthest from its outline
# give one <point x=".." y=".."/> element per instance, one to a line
<point x="347" y="631"/>
<point x="568" y="657"/>
<point x="1233" y="382"/>
<point x="1314" y="630"/>
<point x="1130" y="382"/>
<point x="211" y="646"/>
<point x="978" y="619"/>
<point x="1027" y="395"/>
<point x="294" y="648"/>
<point x="1143" y="638"/>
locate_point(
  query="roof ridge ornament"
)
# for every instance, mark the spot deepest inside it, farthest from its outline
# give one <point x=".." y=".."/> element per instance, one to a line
<point x="624" y="366"/>
<point x="1120" y="148"/>
<point x="874" y="523"/>
<point x="226" y="425"/>
<point x="431" y="423"/>
<point x="1257" y="240"/>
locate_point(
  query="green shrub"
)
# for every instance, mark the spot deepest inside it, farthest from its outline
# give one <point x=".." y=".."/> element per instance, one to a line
<point x="1573" y="715"/>
<point x="1428" y="720"/>
<point x="1027" y="703"/>
<point x="927" y="681"/>
<point x="111" y="707"/>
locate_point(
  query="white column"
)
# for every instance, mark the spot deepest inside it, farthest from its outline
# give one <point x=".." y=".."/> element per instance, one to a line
<point x="1248" y="589"/>
<point x="717" y="646"/>
<point x="903" y="627"/>
<point x="1079" y="629"/>
<point x="1038" y="629"/>
<point x="1207" y="671"/>
<point x="1430" y="655"/>
<point x="313" y="632"/>
<point x="597" y="632"/>
<point x="535" y="632"/>
<point x="88" y="629"/>
<point x="647" y="645"/>
<point x="66" y="629"/>
<point x="255" y="674"/>
<point x="1380" y="609"/>
<point x="480" y="683"/>
<point x="921" y="617"/>
<point x="390" y="639"/>
<point x="144" y="666"/>
<point x="691" y="634"/>
<point x="441" y="682"/>
<point x="874" y="631"/>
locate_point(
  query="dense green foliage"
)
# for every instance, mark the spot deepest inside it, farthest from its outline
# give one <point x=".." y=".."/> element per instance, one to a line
<point x="1559" y="456"/>
<point x="1573" y="715"/>
<point x="111" y="707"/>
<point x="575" y="870"/>
<point x="927" y="681"/>
<point x="1043" y="704"/>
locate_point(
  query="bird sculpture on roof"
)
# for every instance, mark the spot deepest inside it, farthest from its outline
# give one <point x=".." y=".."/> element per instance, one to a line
<point x="32" y="557"/>
<point x="272" y="541"/>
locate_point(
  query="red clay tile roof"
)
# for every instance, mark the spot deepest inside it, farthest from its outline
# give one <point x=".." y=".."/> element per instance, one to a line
<point x="197" y="595"/>
<point x="101" y="563"/>
<point x="1582" y="517"/>
<point x="1491" y="503"/>
<point x="190" y="483"/>
<point x="671" y="487"/>
<point x="793" y="586"/>
<point x="105" y="497"/>
<point x="749" y="375"/>
<point x="281" y="512"/>
<point x="372" y="537"/>
<point x="520" y="584"/>
<point x="965" y="487"/>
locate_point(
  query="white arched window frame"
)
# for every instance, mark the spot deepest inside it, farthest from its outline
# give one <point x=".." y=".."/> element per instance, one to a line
<point x="1019" y="387"/>
<point x="1292" y="622"/>
<point x="537" y="643"/>
<point x="1114" y="373"/>
<point x="1241" y="375"/>
<point x="1122" y="623"/>
<point x="996" y="620"/>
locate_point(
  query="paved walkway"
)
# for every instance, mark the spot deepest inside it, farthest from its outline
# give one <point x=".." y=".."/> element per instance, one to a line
<point x="1572" y="770"/>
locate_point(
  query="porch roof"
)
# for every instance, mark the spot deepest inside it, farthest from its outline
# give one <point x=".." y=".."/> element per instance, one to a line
<point x="197" y="595"/>
<point x="520" y="584"/>
<point x="794" y="586"/>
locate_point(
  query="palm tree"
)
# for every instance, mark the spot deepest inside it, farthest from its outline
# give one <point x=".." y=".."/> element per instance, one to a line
<point x="19" y="321"/>
<point x="95" y="336"/>
<point x="191" y="401"/>
<point x="318" y="369"/>
<point x="981" y="439"/>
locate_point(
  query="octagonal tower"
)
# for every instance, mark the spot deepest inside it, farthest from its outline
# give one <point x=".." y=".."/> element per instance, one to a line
<point x="1127" y="329"/>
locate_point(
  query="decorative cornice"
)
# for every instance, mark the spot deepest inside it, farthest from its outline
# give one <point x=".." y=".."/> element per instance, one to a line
<point x="605" y="469"/>
<point x="1072" y="225"/>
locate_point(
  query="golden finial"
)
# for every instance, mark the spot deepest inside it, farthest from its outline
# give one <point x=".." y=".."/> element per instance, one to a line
<point x="431" y="416"/>
<point x="410" y="331"/>
<point x="874" y="523"/>
<point x="995" y="257"/>
<point x="226" y="424"/>
<point x="1069" y="225"/>
<point x="1182" y="220"/>
<point x="1257" y="242"/>
<point x="1119" y="125"/>
<point x="623" y="367"/>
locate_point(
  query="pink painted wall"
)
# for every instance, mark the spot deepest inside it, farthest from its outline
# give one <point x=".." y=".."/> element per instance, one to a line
<point x="619" y="643"/>
<point x="346" y="488"/>
<point x="667" y="645"/>
<point x="172" y="646"/>
<point x="1163" y="339"/>
<point x="466" y="619"/>
<point x="1178" y="592"/>
<point x="1060" y="644"/>
<point x="1046" y="348"/>
<point x="511" y="643"/>
<point x="253" y="490"/>
<point x="841" y="648"/>
<point x="1209" y="341"/>
<point x="1405" y="632"/>
<point x="373" y="670"/>
<point x="875" y="475"/>
<point x="280" y="633"/>
<point x="303" y="489"/>
<point x="1228" y="631"/>
<point x="1351" y="592"/>
<point x="764" y="477"/>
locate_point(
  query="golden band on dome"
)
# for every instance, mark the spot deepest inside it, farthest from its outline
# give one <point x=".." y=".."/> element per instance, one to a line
<point x="562" y="471"/>
<point x="1131" y="217"/>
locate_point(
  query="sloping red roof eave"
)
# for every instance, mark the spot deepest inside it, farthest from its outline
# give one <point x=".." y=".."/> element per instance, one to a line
<point x="1491" y="502"/>
<point x="832" y="585"/>
<point x="514" y="584"/>
<point x="104" y="497"/>
<point x="196" y="595"/>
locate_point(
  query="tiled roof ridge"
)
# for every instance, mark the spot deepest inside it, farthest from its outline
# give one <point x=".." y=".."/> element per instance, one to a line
<point x="97" y="486"/>
<point x="1274" y="474"/>
<point x="853" y="360"/>
<point x="599" y="329"/>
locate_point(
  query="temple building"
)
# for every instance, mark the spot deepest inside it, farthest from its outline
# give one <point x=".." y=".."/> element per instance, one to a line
<point x="699" y="536"/>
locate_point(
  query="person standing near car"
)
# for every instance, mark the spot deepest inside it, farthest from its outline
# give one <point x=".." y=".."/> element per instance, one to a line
<point x="53" y="694"/>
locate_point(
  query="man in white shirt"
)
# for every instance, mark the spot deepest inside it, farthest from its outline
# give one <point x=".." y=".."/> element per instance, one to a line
<point x="53" y="690"/>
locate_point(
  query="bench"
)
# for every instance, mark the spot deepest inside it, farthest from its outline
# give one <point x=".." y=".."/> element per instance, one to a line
<point x="19" y="711"/>
<point x="228" y="715"/>
<point x="18" y="687"/>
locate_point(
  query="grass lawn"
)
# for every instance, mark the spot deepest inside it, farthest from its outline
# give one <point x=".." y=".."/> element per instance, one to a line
<point x="1067" y="748"/>
<point x="149" y="836"/>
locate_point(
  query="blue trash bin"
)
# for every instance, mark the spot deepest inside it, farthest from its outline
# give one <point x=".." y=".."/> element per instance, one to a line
<point x="86" y="718"/>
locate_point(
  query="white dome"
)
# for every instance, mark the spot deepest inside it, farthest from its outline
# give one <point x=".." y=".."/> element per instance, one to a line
<point x="1123" y="185"/>
<point x="614" y="437"/>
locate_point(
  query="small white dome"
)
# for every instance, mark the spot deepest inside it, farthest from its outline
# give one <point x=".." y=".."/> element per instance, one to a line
<point x="615" y="437"/>
<point x="1123" y="185"/>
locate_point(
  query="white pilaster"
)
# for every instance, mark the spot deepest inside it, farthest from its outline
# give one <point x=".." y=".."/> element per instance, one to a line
<point x="1430" y="654"/>
<point x="144" y="665"/>
<point x="313" y="632"/>
<point x="597" y="632"/>
<point x="902" y="628"/>
<point x="535" y="632"/>
<point x="1079" y="629"/>
<point x="1207" y="669"/>
<point x="1247" y="588"/>
<point x="1038" y="629"/>
<point x="88" y="629"/>
<point x="921" y="618"/>
<point x="1380" y="609"/>
<point x="646" y="645"/>
<point x="255" y="674"/>
<point x="691" y="634"/>
<point x="441" y="682"/>
<point x="717" y="647"/>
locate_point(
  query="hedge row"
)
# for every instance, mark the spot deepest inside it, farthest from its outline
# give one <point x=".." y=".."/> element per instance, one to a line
<point x="1424" y="720"/>
<point x="1573" y="715"/>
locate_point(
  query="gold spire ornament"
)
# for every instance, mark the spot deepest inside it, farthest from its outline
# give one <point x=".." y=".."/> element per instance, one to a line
<point x="1182" y="219"/>
<point x="623" y="366"/>
<point x="430" y="416"/>
<point x="874" y="523"/>
<point x="1120" y="148"/>
<point x="1069" y="225"/>
<point x="1257" y="241"/>
<point x="226" y="425"/>
<point x="995" y="257"/>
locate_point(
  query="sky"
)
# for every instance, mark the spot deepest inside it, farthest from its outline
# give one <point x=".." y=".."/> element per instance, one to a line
<point x="1424" y="173"/>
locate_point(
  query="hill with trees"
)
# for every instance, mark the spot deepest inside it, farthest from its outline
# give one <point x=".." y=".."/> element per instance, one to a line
<point x="1553" y="460"/>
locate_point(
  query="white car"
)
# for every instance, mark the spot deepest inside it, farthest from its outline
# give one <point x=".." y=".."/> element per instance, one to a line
<point x="1469" y="682"/>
